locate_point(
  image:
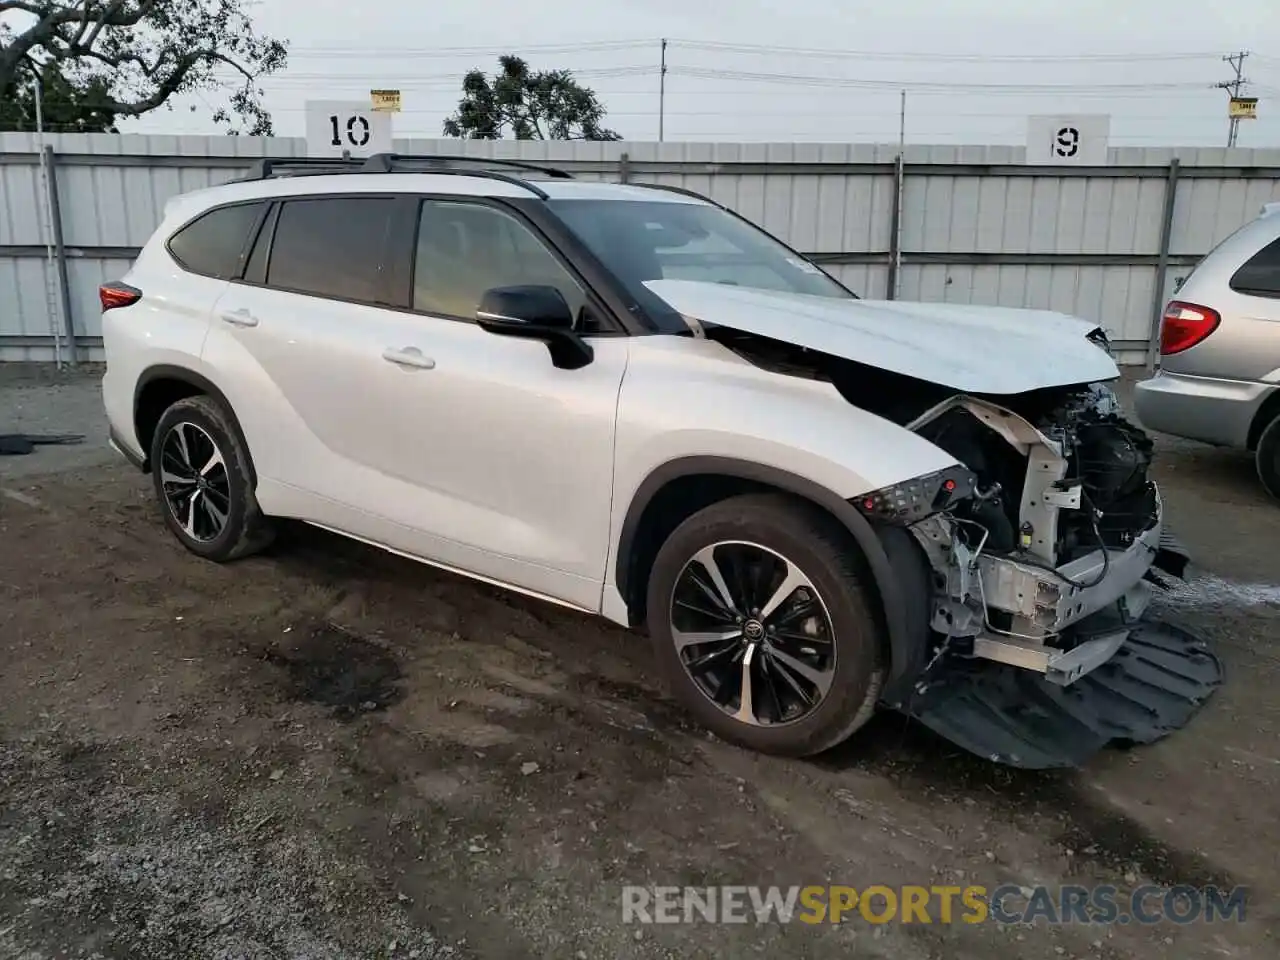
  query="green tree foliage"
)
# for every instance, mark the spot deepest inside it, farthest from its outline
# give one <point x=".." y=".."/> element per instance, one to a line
<point x="101" y="60"/>
<point x="527" y="105"/>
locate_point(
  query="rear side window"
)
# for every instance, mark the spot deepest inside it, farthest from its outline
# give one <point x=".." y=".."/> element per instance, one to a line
<point x="332" y="247"/>
<point x="1260" y="276"/>
<point x="215" y="244"/>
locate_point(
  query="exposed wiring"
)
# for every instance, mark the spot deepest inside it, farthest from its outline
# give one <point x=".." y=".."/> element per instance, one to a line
<point x="1097" y="535"/>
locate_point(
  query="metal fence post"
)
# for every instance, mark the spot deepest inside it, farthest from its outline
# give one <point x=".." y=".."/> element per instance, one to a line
<point x="1162" y="264"/>
<point x="60" y="251"/>
<point x="895" y="231"/>
<point x="624" y="168"/>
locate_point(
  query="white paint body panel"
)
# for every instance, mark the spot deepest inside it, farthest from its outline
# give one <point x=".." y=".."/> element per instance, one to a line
<point x="490" y="460"/>
<point x="696" y="398"/>
<point x="992" y="350"/>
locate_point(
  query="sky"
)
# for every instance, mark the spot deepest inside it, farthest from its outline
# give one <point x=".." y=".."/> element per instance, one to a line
<point x="831" y="70"/>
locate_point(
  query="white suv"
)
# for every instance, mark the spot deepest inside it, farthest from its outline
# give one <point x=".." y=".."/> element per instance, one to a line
<point x="633" y="402"/>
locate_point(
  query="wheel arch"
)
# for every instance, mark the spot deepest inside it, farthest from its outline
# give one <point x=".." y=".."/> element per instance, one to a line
<point x="679" y="488"/>
<point x="1268" y="411"/>
<point x="162" y="385"/>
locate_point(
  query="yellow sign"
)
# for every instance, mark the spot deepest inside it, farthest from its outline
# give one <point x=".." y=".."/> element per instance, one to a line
<point x="1243" y="108"/>
<point x="385" y="101"/>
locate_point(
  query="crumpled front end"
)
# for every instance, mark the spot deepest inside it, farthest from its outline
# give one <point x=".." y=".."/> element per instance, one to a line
<point x="1042" y="574"/>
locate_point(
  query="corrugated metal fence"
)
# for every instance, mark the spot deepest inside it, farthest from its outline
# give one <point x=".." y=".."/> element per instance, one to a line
<point x="958" y="224"/>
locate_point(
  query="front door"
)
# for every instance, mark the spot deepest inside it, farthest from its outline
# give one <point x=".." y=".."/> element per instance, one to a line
<point x="511" y="456"/>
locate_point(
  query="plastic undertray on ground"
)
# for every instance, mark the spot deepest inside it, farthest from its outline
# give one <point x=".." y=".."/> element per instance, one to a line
<point x="1153" y="686"/>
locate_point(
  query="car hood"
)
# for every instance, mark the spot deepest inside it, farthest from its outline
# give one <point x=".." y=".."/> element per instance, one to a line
<point x="974" y="349"/>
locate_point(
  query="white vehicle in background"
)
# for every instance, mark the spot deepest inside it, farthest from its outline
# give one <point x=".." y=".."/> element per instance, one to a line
<point x="630" y="401"/>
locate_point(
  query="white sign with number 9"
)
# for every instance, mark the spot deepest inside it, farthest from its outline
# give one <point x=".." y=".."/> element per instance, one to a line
<point x="1068" y="140"/>
<point x="335" y="127"/>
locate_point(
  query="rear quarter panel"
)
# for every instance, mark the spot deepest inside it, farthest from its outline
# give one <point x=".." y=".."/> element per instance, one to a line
<point x="1246" y="345"/>
<point x="167" y="327"/>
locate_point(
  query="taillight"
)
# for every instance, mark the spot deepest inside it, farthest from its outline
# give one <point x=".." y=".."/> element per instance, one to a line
<point x="117" y="294"/>
<point x="1185" y="325"/>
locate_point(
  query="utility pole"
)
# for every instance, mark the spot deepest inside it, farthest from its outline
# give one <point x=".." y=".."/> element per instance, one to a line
<point x="46" y="212"/>
<point x="1233" y="87"/>
<point x="662" y="91"/>
<point x="902" y="122"/>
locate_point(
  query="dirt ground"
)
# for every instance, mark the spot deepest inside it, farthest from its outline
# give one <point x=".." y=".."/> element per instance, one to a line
<point x="329" y="752"/>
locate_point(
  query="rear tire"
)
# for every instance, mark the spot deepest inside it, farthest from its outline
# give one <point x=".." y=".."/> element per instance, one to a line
<point x="204" y="483"/>
<point x="1267" y="457"/>
<point x="786" y="607"/>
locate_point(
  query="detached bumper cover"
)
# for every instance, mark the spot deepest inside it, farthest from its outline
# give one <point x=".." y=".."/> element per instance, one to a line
<point x="1154" y="684"/>
<point x="1127" y="679"/>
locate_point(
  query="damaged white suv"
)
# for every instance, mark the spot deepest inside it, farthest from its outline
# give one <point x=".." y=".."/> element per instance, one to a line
<point x="631" y="401"/>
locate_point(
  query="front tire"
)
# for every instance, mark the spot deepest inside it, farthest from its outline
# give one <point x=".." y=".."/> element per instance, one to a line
<point x="204" y="484"/>
<point x="1267" y="457"/>
<point x="764" y="626"/>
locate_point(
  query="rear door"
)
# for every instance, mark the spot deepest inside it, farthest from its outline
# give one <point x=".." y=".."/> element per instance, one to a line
<point x="293" y="340"/>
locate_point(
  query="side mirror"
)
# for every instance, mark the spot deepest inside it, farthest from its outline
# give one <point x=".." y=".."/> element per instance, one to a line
<point x="535" y="313"/>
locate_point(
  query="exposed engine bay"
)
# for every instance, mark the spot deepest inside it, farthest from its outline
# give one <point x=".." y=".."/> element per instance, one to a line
<point x="1043" y="552"/>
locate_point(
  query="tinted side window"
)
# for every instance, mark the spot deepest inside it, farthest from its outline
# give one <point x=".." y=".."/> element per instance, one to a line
<point x="214" y="245"/>
<point x="465" y="249"/>
<point x="331" y="247"/>
<point x="1261" y="275"/>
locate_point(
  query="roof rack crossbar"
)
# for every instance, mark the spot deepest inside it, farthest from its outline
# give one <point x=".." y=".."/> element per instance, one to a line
<point x="385" y="163"/>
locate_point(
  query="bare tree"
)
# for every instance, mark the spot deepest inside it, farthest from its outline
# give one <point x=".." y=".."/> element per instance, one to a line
<point x="103" y="59"/>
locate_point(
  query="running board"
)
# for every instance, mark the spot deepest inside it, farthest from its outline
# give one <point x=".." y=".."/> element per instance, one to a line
<point x="1153" y="685"/>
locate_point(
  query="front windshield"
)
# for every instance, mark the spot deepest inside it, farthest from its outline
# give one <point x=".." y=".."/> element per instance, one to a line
<point x="640" y="240"/>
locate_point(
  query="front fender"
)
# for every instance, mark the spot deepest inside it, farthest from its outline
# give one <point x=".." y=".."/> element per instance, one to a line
<point x="696" y="398"/>
<point x="692" y="408"/>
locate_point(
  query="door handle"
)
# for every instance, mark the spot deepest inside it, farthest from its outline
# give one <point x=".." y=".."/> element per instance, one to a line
<point x="240" y="318"/>
<point x="408" y="357"/>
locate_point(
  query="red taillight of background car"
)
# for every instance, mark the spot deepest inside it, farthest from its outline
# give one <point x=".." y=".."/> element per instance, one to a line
<point x="117" y="294"/>
<point x="1185" y="325"/>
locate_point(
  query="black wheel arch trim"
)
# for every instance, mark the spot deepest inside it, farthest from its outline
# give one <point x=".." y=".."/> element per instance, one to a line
<point x="201" y="383"/>
<point x="896" y="564"/>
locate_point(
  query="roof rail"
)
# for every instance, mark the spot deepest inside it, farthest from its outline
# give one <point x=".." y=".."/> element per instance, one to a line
<point x="386" y="163"/>
<point x="269" y="167"/>
<point x="683" y="191"/>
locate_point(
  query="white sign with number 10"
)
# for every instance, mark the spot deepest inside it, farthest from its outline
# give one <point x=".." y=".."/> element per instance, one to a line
<point x="335" y="126"/>
<point x="1068" y="140"/>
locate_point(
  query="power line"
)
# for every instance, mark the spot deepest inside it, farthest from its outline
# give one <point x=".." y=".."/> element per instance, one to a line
<point x="827" y="52"/>
<point x="518" y="49"/>
<point x="521" y="48"/>
<point x="453" y="78"/>
<point x="923" y="85"/>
